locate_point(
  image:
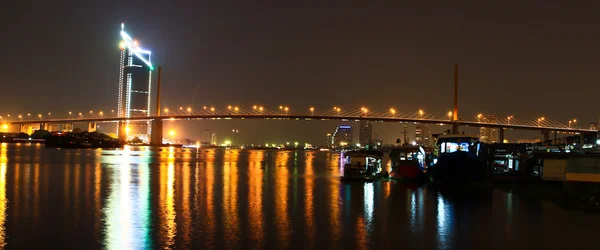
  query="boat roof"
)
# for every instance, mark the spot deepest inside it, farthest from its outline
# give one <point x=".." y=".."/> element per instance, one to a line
<point x="405" y="149"/>
<point x="364" y="153"/>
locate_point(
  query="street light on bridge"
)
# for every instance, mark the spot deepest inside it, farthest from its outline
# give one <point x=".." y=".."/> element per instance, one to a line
<point x="20" y="117"/>
<point x="539" y="120"/>
<point x="479" y="117"/>
<point x="101" y="113"/>
<point x="261" y="110"/>
<point x="508" y="118"/>
<point x="167" y="111"/>
<point x="393" y="111"/>
<point x="450" y="115"/>
<point x="421" y="113"/>
<point x="312" y="111"/>
<point x="40" y="116"/>
<point x="286" y="110"/>
<point x="364" y="111"/>
<point x="237" y="109"/>
<point x="80" y="115"/>
<point x="337" y="109"/>
<point x="70" y="113"/>
<point x="213" y="110"/>
<point x="189" y="110"/>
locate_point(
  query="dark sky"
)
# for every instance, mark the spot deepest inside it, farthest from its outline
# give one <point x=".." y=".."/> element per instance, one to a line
<point x="527" y="59"/>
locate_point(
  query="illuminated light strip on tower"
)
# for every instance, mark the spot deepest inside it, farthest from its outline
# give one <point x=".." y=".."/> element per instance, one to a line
<point x="136" y="50"/>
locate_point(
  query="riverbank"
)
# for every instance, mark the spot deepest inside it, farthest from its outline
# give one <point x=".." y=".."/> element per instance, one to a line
<point x="569" y="195"/>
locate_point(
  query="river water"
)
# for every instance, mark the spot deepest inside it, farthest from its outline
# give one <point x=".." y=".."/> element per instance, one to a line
<point x="174" y="198"/>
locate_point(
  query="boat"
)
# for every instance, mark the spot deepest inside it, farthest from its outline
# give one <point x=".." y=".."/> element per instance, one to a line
<point x="81" y="140"/>
<point x="364" y="165"/>
<point x="408" y="163"/>
<point x="458" y="161"/>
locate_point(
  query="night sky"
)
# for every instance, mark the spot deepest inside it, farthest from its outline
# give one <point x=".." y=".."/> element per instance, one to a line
<point x="524" y="59"/>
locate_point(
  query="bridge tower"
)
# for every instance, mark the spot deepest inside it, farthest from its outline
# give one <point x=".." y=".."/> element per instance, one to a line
<point x="156" y="134"/>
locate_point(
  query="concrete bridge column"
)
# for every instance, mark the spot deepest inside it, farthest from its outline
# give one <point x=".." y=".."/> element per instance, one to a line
<point x="92" y="127"/>
<point x="546" y="135"/>
<point x="122" y="131"/>
<point x="581" y="139"/>
<point x="156" y="137"/>
<point x="500" y="135"/>
<point x="43" y="126"/>
<point x="26" y="128"/>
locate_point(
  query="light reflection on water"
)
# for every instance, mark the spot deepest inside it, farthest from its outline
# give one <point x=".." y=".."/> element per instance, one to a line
<point x="167" y="198"/>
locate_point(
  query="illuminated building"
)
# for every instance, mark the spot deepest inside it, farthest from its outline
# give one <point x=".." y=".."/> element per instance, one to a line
<point x="488" y="135"/>
<point x="594" y="126"/>
<point x="365" y="135"/>
<point x="135" y="81"/>
<point x="342" y="136"/>
<point x="423" y="135"/>
<point x="328" y="142"/>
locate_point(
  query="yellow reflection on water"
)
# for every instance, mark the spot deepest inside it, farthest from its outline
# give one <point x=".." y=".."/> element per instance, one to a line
<point x="3" y="200"/>
<point x="16" y="190"/>
<point x="308" y="200"/>
<point x="255" y="201"/>
<point x="97" y="199"/>
<point x="185" y="210"/>
<point x="230" y="195"/>
<point x="281" y="202"/>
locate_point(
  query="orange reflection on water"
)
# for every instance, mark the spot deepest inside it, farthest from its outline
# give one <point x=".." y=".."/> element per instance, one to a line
<point x="36" y="193"/>
<point x="281" y="202"/>
<point x="334" y="203"/>
<point x="76" y="187"/>
<point x="210" y="207"/>
<point x="308" y="200"/>
<point x="3" y="200"/>
<point x="230" y="185"/>
<point x="167" y="201"/>
<point x="255" y="201"/>
<point x="361" y="233"/>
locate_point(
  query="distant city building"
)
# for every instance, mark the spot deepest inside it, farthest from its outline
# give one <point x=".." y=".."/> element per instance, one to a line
<point x="488" y="135"/>
<point x="213" y="139"/>
<point x="135" y="81"/>
<point x="328" y="142"/>
<point x="206" y="137"/>
<point x="366" y="133"/>
<point x="342" y="136"/>
<point x="594" y="126"/>
<point x="423" y="135"/>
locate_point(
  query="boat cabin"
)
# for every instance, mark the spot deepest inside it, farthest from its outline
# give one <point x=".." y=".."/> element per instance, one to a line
<point x="362" y="164"/>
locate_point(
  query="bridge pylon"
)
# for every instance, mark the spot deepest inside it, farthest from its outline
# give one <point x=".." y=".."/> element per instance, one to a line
<point x="156" y="135"/>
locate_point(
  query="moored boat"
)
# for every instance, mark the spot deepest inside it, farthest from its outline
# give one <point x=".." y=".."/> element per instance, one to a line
<point x="363" y="165"/>
<point x="408" y="163"/>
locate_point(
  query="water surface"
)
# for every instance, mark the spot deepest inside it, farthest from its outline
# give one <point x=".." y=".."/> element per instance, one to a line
<point x="141" y="198"/>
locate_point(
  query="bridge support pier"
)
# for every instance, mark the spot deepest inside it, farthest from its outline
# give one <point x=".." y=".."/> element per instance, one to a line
<point x="43" y="126"/>
<point x="500" y="135"/>
<point x="581" y="140"/>
<point x="122" y="131"/>
<point x="455" y="128"/>
<point x="26" y="128"/>
<point x="92" y="127"/>
<point x="156" y="137"/>
<point x="546" y="135"/>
